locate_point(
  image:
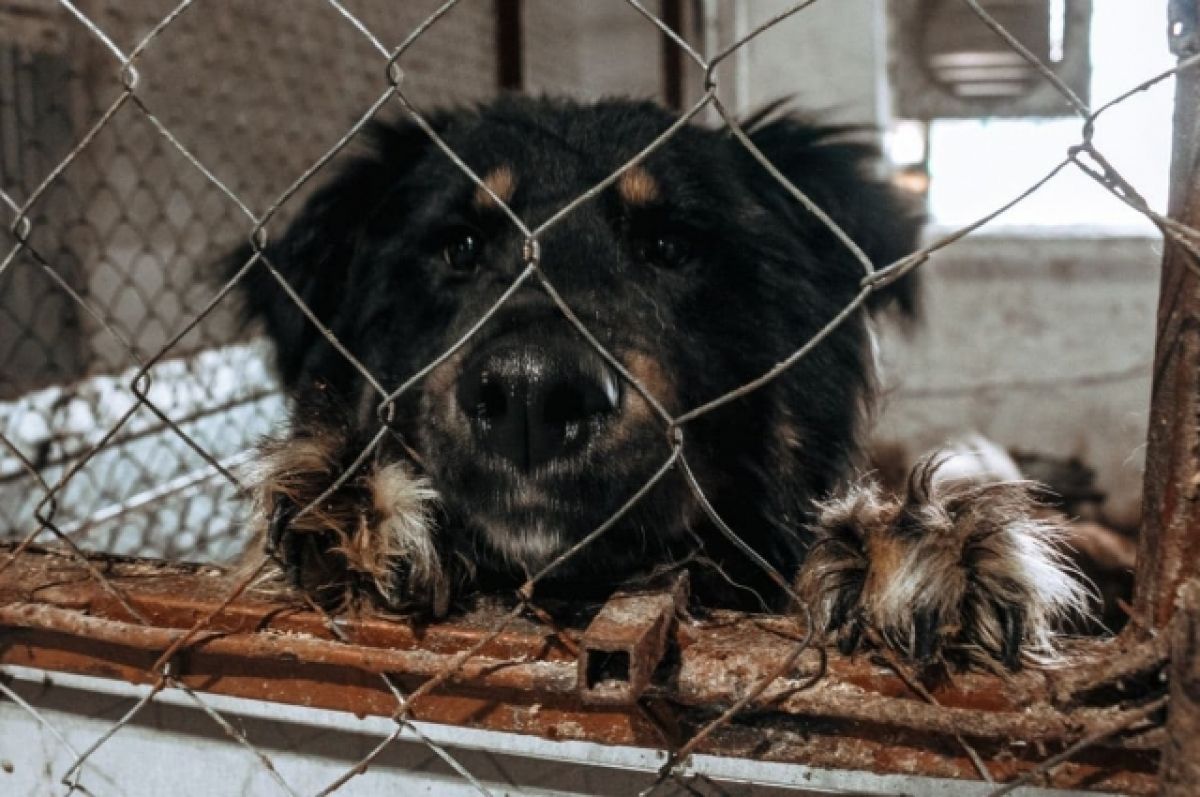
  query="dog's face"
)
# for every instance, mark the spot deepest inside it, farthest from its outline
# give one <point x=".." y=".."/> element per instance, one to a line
<point x="695" y="272"/>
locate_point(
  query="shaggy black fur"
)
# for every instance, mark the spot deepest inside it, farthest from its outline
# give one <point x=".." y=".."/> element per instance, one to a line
<point x="709" y="279"/>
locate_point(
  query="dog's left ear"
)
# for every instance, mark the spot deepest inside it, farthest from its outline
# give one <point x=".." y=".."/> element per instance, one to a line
<point x="839" y="172"/>
<point x="314" y="253"/>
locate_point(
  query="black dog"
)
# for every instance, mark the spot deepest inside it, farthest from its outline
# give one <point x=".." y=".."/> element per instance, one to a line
<point x="698" y="272"/>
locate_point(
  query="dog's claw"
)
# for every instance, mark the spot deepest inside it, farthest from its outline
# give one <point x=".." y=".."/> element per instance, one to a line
<point x="925" y="635"/>
<point x="283" y="545"/>
<point x="850" y="637"/>
<point x="293" y="553"/>
<point x="1012" y="621"/>
<point x="281" y="519"/>
<point x="845" y="604"/>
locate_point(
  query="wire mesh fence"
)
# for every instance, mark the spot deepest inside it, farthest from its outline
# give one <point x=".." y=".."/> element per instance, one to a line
<point x="137" y="228"/>
<point x="131" y="406"/>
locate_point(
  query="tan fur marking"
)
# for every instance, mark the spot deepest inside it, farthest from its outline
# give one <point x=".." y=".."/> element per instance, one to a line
<point x="439" y="402"/>
<point x="789" y="435"/>
<point x="440" y="381"/>
<point x="648" y="371"/>
<point x="886" y="554"/>
<point x="638" y="187"/>
<point x="503" y="183"/>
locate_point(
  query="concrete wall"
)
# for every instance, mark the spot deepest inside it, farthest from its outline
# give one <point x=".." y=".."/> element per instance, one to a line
<point x="1041" y="343"/>
<point x="257" y="92"/>
<point x="829" y="58"/>
<point x="591" y="50"/>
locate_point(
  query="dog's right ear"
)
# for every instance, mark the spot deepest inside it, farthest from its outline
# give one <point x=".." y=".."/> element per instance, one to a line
<point x="836" y="167"/>
<point x="315" y="251"/>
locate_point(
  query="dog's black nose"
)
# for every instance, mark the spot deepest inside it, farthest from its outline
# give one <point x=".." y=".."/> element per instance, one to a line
<point x="533" y="405"/>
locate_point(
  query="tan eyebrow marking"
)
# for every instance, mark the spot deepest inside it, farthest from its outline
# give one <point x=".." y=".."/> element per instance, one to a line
<point x="503" y="183"/>
<point x="638" y="187"/>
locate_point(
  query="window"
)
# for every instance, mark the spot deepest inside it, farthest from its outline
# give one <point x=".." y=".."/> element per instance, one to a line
<point x="977" y="164"/>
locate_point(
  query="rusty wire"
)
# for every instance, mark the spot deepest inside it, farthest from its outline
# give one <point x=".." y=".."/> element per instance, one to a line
<point x="1084" y="155"/>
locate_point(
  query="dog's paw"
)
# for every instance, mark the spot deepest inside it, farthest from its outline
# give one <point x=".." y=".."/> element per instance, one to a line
<point x="953" y="569"/>
<point x="370" y="538"/>
<point x="303" y="558"/>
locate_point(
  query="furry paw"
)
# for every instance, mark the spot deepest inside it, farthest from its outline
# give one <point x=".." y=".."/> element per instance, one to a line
<point x="370" y="538"/>
<point x="954" y="569"/>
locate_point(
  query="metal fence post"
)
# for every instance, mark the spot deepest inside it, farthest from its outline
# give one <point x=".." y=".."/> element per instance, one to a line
<point x="1169" y="544"/>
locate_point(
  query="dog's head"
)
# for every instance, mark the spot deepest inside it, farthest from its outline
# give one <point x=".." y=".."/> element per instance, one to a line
<point x="696" y="272"/>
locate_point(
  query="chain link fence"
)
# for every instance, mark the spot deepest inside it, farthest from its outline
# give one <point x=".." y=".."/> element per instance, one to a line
<point x="135" y="229"/>
<point x="142" y="139"/>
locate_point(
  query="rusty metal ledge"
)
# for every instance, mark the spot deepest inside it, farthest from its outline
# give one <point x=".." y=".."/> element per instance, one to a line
<point x="857" y="715"/>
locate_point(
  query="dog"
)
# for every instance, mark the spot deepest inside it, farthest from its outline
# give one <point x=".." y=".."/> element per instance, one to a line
<point x="693" y="273"/>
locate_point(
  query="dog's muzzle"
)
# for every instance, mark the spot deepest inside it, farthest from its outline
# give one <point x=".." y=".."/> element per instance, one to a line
<point x="533" y="403"/>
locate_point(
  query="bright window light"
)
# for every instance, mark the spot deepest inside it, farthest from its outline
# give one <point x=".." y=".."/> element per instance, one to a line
<point x="977" y="165"/>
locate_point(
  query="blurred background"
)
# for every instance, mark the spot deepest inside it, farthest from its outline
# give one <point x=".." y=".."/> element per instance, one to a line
<point x="1036" y="332"/>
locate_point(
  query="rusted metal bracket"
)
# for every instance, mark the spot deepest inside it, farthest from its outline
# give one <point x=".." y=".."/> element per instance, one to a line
<point x="625" y="642"/>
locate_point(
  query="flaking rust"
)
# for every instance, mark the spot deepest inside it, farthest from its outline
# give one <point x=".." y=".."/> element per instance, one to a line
<point x="626" y="641"/>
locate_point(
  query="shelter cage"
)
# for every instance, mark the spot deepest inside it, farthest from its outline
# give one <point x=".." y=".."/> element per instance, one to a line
<point x="138" y="142"/>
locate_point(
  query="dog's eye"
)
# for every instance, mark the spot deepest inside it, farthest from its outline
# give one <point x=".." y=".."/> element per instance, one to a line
<point x="462" y="250"/>
<point x="668" y="251"/>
